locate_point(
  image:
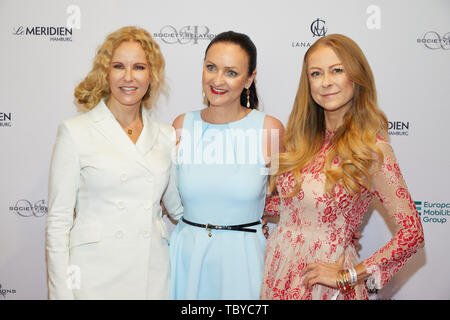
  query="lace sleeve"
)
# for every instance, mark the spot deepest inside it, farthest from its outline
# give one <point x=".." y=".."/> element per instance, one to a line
<point x="272" y="207"/>
<point x="390" y="188"/>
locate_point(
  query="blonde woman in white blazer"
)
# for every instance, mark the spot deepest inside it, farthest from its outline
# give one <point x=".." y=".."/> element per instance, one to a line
<point x="110" y="169"/>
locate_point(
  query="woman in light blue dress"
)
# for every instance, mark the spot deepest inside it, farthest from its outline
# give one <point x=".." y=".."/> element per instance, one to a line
<point x="217" y="248"/>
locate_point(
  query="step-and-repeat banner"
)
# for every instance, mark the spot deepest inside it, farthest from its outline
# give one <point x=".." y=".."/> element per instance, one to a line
<point x="48" y="47"/>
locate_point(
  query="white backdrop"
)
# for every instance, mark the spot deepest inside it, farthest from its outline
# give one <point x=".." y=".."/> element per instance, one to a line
<point x="48" y="47"/>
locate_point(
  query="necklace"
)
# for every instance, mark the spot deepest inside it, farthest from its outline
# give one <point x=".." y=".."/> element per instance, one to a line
<point x="129" y="129"/>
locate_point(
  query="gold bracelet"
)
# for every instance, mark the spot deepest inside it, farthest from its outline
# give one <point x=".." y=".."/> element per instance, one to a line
<point x="343" y="281"/>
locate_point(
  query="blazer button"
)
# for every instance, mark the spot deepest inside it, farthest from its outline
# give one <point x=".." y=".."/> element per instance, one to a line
<point x="120" y="204"/>
<point x="119" y="234"/>
<point x="123" y="177"/>
<point x="146" y="234"/>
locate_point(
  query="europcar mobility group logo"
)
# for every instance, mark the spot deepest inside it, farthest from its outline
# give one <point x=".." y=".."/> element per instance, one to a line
<point x="26" y="208"/>
<point x="433" y="212"/>
<point x="184" y="35"/>
<point x="318" y="28"/>
<point x="5" y="119"/>
<point x="398" y="128"/>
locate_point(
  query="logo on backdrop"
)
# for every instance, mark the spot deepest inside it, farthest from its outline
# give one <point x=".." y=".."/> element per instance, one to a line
<point x="5" y="119"/>
<point x="398" y="128"/>
<point x="53" y="33"/>
<point x="4" y="292"/>
<point x="184" y="35"/>
<point x="26" y="208"/>
<point x="435" y="41"/>
<point x="318" y="28"/>
<point x="433" y="212"/>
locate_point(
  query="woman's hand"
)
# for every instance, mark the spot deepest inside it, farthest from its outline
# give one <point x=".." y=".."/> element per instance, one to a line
<point x="356" y="236"/>
<point x="322" y="273"/>
<point x="265" y="228"/>
<point x="164" y="210"/>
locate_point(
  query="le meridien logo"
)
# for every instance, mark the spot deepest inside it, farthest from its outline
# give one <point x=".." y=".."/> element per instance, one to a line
<point x="433" y="212"/>
<point x="398" y="128"/>
<point x="5" y="119"/>
<point x="54" y="33"/>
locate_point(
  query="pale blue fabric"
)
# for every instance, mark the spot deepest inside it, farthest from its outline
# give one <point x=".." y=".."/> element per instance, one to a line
<point x="229" y="264"/>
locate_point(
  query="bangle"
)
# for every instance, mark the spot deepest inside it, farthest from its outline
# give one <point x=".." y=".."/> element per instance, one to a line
<point x="343" y="282"/>
<point x="353" y="276"/>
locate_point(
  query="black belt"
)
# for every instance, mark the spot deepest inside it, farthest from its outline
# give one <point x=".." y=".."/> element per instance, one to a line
<point x="237" y="227"/>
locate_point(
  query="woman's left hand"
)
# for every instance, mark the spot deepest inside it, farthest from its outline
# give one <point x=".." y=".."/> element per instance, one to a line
<point x="322" y="273"/>
<point x="355" y="240"/>
<point x="164" y="210"/>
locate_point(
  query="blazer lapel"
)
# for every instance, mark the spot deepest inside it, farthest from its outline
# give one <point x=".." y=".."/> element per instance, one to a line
<point x="149" y="134"/>
<point x="105" y="122"/>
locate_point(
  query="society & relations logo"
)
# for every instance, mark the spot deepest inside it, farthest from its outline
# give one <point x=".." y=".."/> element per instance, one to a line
<point x="434" y="41"/>
<point x="4" y="292"/>
<point x="190" y="34"/>
<point x="26" y="208"/>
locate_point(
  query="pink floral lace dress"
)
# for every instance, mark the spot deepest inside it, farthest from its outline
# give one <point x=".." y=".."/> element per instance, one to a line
<point x="313" y="227"/>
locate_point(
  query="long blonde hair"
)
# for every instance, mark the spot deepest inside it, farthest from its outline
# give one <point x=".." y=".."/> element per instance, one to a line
<point x="96" y="85"/>
<point x="354" y="142"/>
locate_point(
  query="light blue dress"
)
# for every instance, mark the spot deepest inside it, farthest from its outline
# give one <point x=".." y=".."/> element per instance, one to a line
<point x="221" y="178"/>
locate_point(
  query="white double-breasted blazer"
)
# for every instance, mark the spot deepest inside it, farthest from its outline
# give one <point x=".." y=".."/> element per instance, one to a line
<point x="105" y="237"/>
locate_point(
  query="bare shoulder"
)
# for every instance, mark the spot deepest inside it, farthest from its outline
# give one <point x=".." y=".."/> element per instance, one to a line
<point x="273" y="123"/>
<point x="178" y="122"/>
<point x="178" y="125"/>
<point x="274" y="137"/>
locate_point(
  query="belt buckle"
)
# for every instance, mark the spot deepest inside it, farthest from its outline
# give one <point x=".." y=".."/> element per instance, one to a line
<point x="208" y="228"/>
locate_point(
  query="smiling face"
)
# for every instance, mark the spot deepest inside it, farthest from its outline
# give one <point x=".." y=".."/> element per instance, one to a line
<point x="329" y="83"/>
<point x="225" y="74"/>
<point x="129" y="75"/>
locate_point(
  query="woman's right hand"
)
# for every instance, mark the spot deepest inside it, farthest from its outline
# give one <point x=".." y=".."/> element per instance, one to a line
<point x="265" y="228"/>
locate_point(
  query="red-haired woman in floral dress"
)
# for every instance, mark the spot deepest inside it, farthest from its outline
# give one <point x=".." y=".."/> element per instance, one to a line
<point x="338" y="159"/>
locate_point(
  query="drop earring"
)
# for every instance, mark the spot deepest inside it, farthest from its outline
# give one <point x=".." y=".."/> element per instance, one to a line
<point x="205" y="99"/>
<point x="248" y="98"/>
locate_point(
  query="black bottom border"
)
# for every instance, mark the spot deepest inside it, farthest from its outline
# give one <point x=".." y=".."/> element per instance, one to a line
<point x="222" y="309"/>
